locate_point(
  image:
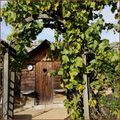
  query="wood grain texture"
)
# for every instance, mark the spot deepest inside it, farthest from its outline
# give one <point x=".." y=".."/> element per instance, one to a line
<point x="44" y="87"/>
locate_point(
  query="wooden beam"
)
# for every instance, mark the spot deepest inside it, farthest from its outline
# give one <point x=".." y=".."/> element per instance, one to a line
<point x="5" y="84"/>
<point x="11" y="95"/>
<point x="86" y="94"/>
<point x="12" y="51"/>
<point x="57" y="22"/>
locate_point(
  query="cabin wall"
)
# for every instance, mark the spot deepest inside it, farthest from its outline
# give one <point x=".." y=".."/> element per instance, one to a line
<point x="56" y="79"/>
<point x="28" y="78"/>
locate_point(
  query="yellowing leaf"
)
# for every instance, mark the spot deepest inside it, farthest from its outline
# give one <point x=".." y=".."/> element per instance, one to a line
<point x="80" y="87"/>
<point x="92" y="103"/>
<point x="79" y="62"/>
<point x="56" y="5"/>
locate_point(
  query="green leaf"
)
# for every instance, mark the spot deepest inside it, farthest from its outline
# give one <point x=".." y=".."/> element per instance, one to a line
<point x="74" y="82"/>
<point x="75" y="22"/>
<point x="52" y="47"/>
<point x="56" y="5"/>
<point x="60" y="72"/>
<point x="68" y="13"/>
<point x="95" y="44"/>
<point x="93" y="4"/>
<point x="74" y="72"/>
<point x="80" y="87"/>
<point x="65" y="58"/>
<point x="103" y="44"/>
<point x="65" y="51"/>
<point x="92" y="103"/>
<point x="79" y="62"/>
<point x="69" y="86"/>
<point x="115" y="57"/>
<point x="28" y="25"/>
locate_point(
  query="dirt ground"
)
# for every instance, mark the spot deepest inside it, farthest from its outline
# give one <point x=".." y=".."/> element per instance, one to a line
<point x="45" y="114"/>
<point x="53" y="111"/>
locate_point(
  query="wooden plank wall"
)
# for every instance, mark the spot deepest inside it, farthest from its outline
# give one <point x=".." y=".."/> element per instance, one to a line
<point x="56" y="79"/>
<point x="28" y="79"/>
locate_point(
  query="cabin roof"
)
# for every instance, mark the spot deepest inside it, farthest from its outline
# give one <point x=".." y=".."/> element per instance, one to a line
<point x="44" y="44"/>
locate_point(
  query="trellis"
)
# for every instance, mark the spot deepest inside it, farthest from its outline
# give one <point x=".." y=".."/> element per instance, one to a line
<point x="53" y="21"/>
<point x="7" y="81"/>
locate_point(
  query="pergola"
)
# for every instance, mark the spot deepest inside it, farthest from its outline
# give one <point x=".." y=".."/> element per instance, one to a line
<point x="7" y="81"/>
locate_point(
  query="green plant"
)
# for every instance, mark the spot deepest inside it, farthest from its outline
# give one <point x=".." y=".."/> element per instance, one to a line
<point x="80" y="26"/>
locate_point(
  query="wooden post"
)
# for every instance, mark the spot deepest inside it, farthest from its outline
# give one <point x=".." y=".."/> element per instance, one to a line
<point x="5" y="84"/>
<point x="119" y="56"/>
<point x="11" y="95"/>
<point x="86" y="94"/>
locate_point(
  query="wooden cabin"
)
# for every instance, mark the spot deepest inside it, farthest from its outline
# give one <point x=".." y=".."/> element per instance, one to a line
<point x="35" y="76"/>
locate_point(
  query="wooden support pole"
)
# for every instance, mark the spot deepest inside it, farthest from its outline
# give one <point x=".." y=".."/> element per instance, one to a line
<point x="5" y="84"/>
<point x="86" y="94"/>
<point x="11" y="95"/>
<point x="119" y="52"/>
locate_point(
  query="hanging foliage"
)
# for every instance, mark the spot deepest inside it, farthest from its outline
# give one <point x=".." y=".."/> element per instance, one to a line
<point x="80" y="24"/>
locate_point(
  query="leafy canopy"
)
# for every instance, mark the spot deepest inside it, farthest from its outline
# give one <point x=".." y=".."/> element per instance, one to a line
<point x="80" y="24"/>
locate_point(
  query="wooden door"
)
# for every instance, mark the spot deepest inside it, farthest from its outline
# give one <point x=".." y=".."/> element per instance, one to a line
<point x="44" y="89"/>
